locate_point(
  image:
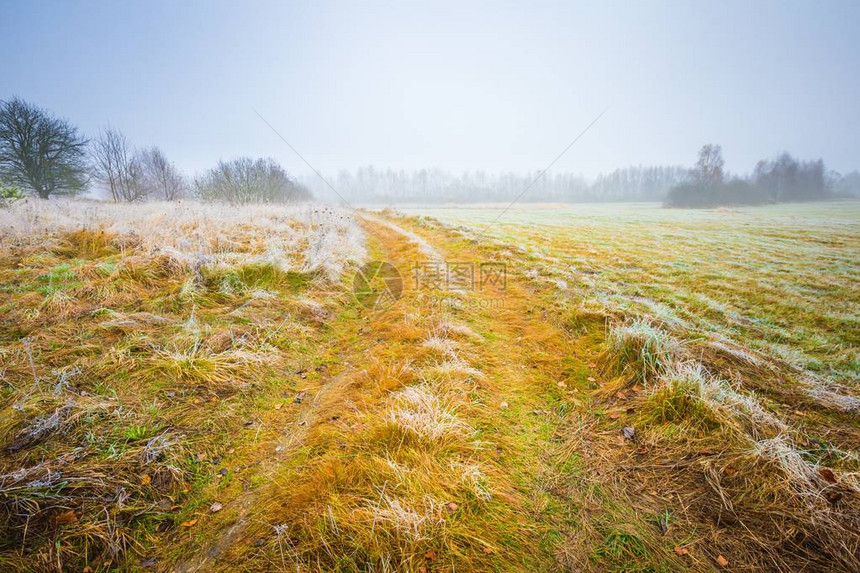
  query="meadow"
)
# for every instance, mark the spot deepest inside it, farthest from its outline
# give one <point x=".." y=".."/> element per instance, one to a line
<point x="191" y="387"/>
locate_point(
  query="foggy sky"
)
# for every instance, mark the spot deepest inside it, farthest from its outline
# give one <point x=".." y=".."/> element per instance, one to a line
<point x="493" y="86"/>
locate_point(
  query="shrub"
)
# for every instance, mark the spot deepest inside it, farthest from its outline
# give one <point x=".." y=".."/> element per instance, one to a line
<point x="9" y="195"/>
<point x="244" y="180"/>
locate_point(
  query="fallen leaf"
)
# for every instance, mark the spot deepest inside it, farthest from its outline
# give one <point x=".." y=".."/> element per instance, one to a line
<point x="451" y="507"/>
<point x="681" y="550"/>
<point x="216" y="507"/>
<point x="637" y="388"/>
<point x="828" y="475"/>
<point x="66" y="517"/>
<point x="430" y="555"/>
<point x="279" y="405"/>
<point x="614" y="416"/>
<point x="148" y="563"/>
<point x="722" y="561"/>
<point x="561" y="385"/>
<point x="591" y="378"/>
<point x="628" y="432"/>
<point x="422" y="568"/>
<point x="145" y="479"/>
<point x="188" y="523"/>
<point x="730" y="471"/>
<point x="488" y="550"/>
<point x="592" y="365"/>
<point x="621" y="394"/>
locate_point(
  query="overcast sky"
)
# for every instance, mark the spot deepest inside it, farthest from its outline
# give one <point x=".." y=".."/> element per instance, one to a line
<point x="493" y="86"/>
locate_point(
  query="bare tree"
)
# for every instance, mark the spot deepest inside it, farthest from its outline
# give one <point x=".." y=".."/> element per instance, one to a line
<point x="116" y="167"/>
<point x="40" y="152"/>
<point x="161" y="179"/>
<point x="246" y="180"/>
<point x="709" y="167"/>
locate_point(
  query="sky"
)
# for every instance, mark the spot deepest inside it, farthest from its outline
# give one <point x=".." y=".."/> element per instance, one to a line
<point x="495" y="86"/>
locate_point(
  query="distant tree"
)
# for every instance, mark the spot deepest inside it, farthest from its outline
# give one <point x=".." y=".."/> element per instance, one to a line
<point x="40" y="152"/>
<point x="787" y="179"/>
<point x="847" y="185"/>
<point x="246" y="180"/>
<point x="709" y="167"/>
<point x="160" y="178"/>
<point x="116" y="167"/>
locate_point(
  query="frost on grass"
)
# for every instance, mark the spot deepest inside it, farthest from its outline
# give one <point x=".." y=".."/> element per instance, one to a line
<point x="301" y="238"/>
<point x="420" y="411"/>
<point x="687" y="392"/>
<point x="415" y="522"/>
<point x="641" y="350"/>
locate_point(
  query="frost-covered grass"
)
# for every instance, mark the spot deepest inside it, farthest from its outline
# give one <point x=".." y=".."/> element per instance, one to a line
<point x="304" y="237"/>
<point x="783" y="280"/>
<point x="136" y="342"/>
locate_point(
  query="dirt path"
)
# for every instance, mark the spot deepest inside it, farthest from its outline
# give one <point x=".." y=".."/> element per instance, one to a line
<point x="516" y="391"/>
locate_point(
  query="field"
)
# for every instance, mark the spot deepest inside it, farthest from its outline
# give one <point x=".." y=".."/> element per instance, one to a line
<point x="194" y="388"/>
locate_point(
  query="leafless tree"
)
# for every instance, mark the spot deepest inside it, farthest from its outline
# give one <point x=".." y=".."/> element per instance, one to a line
<point x="247" y="180"/>
<point x="709" y="167"/>
<point x="161" y="178"/>
<point x="40" y="152"/>
<point x="116" y="166"/>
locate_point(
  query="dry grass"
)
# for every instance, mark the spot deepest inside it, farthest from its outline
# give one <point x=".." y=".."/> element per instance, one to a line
<point x="137" y="341"/>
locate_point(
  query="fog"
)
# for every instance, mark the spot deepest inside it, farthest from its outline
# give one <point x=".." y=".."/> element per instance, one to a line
<point x="473" y="96"/>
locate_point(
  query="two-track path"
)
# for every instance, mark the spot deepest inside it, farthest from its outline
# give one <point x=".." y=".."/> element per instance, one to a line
<point x="532" y="371"/>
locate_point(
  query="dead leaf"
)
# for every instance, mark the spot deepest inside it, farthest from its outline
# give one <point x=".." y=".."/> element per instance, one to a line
<point x="145" y="479"/>
<point x="722" y="561"/>
<point x="189" y="523"/>
<point x="681" y="550"/>
<point x="451" y="507"/>
<point x="730" y="471"/>
<point x="637" y="388"/>
<point x="488" y="550"/>
<point x="422" y="568"/>
<point x="279" y="405"/>
<point x="216" y="507"/>
<point x="592" y="365"/>
<point x="614" y="416"/>
<point x="591" y="378"/>
<point x="621" y="394"/>
<point x="561" y="385"/>
<point x="148" y="563"/>
<point x="69" y="516"/>
<point x="828" y="475"/>
<point x="430" y="555"/>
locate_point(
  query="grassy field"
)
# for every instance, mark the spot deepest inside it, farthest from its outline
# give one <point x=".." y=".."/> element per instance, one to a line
<point x="193" y="388"/>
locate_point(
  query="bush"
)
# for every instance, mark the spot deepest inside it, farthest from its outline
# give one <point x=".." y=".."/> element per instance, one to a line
<point x="9" y="194"/>
<point x="244" y="180"/>
<point x="733" y="192"/>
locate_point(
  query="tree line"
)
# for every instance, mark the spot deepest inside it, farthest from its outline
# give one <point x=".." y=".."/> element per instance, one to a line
<point x="782" y="179"/>
<point x="47" y="156"/>
<point x="372" y="185"/>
